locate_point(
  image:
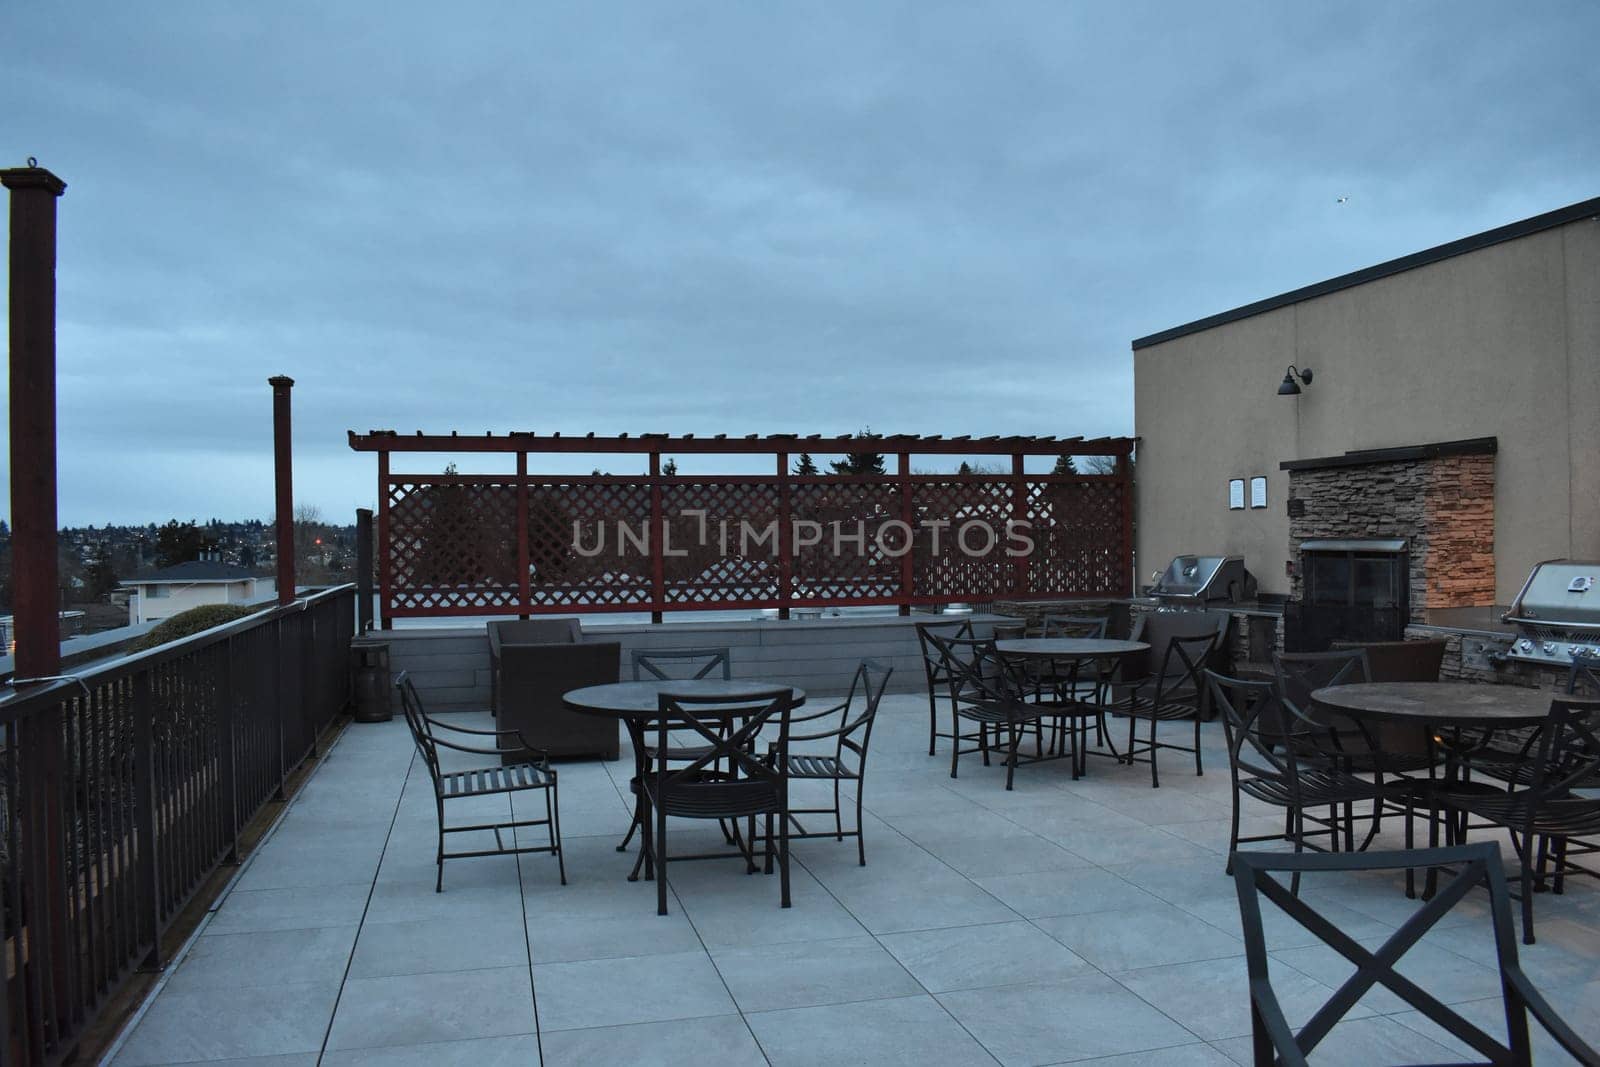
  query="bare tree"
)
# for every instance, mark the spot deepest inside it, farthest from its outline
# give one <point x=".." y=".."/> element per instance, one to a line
<point x="1099" y="464"/>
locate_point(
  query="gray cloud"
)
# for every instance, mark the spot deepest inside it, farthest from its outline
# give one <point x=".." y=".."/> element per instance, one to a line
<point x="722" y="218"/>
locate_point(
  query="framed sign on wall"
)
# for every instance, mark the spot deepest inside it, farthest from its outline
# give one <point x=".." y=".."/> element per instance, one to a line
<point x="1235" y="494"/>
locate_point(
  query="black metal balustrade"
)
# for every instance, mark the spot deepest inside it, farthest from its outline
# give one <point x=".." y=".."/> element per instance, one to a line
<point x="124" y="786"/>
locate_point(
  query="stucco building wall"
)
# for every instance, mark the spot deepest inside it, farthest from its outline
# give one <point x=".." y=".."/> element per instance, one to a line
<point x="1502" y="341"/>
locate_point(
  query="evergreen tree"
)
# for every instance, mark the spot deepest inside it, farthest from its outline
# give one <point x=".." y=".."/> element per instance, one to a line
<point x="101" y="574"/>
<point x="965" y="468"/>
<point x="179" y="542"/>
<point x="669" y="468"/>
<point x="860" y="462"/>
<point x="1064" y="465"/>
<point x="804" y="466"/>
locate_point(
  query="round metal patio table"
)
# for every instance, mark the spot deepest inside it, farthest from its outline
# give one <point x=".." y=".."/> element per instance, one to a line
<point x="635" y="704"/>
<point x="1439" y="704"/>
<point x="1453" y="718"/>
<point x="1074" y="650"/>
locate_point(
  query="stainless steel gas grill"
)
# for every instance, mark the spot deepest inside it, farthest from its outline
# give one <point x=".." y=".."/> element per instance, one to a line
<point x="1201" y="582"/>
<point x="1557" y="614"/>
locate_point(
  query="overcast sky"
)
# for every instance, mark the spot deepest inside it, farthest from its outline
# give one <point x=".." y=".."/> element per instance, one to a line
<point x="721" y="218"/>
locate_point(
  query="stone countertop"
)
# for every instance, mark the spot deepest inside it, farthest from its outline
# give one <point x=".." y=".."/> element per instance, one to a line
<point x="1248" y="607"/>
<point x="1480" y="620"/>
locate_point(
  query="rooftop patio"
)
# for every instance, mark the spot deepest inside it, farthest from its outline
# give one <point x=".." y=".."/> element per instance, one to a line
<point x="1062" y="922"/>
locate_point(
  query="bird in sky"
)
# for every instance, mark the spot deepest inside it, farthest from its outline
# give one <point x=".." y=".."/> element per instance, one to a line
<point x="1342" y="200"/>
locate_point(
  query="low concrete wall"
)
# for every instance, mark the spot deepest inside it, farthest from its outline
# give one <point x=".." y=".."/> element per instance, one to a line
<point x="450" y="665"/>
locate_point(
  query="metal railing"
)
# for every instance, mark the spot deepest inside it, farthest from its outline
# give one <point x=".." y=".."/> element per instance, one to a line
<point x="124" y="786"/>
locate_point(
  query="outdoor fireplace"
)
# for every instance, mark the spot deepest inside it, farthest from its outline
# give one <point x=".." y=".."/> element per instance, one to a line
<point x="1353" y="589"/>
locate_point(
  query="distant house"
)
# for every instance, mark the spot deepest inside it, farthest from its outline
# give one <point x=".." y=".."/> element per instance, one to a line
<point x="189" y="585"/>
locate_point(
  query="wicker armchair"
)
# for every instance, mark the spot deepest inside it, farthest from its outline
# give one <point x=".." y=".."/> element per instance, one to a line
<point x="532" y="681"/>
<point x="525" y="632"/>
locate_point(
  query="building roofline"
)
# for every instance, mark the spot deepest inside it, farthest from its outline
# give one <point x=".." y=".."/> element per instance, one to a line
<point x="1585" y="209"/>
<point x="192" y="581"/>
<point x="1474" y="446"/>
<point x="722" y="444"/>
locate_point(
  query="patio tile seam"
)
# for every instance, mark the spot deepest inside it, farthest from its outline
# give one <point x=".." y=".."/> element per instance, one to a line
<point x="883" y="1000"/>
<point x="1145" y="1051"/>
<point x="366" y="906"/>
<point x="1156" y="1007"/>
<point x="527" y="940"/>
<point x="710" y="958"/>
<point x="886" y="950"/>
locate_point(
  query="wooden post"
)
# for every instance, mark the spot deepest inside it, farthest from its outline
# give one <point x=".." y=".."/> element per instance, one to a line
<point x="907" y="572"/>
<point x="1019" y="514"/>
<point x="1125" y="472"/>
<point x="34" y="591"/>
<point x="524" y="586"/>
<point x="385" y="553"/>
<point x="658" y="580"/>
<point x="283" y="472"/>
<point x="785" y="536"/>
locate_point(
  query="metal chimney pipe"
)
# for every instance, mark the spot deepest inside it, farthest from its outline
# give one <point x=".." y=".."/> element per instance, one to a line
<point x="35" y="597"/>
<point x="283" y="468"/>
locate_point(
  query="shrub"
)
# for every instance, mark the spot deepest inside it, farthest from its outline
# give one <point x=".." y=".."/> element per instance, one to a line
<point x="190" y="622"/>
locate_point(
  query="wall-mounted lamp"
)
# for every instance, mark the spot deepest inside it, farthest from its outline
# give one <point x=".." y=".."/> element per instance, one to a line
<point x="1289" y="387"/>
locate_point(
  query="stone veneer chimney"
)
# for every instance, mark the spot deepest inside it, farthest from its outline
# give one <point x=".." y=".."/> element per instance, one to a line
<point x="1440" y="498"/>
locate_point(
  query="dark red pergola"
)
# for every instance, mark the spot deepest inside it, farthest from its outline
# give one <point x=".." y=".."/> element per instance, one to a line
<point x="500" y="544"/>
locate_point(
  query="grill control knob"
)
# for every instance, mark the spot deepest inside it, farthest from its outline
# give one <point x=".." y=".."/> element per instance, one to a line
<point x="1549" y="648"/>
<point x="1524" y="645"/>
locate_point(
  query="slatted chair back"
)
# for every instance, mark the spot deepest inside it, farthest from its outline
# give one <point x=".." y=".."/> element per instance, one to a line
<point x="681" y="664"/>
<point x="932" y="662"/>
<point x="1584" y="676"/>
<point x="860" y="710"/>
<point x="1093" y="626"/>
<point x="417" y="723"/>
<point x="1260" y="734"/>
<point x="1275" y="1042"/>
<point x="1182" y="664"/>
<point x="1300" y="674"/>
<point x="975" y="672"/>
<point x="1568" y="759"/>
<point x="728" y="778"/>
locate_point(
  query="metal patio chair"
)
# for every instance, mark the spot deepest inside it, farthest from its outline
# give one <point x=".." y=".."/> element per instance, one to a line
<point x="1176" y="691"/>
<point x="933" y="667"/>
<point x="1276" y="1042"/>
<point x="535" y="773"/>
<point x="752" y="785"/>
<point x="1298" y="675"/>
<point x="1549" y="796"/>
<point x="989" y="693"/>
<point x="674" y="664"/>
<point x="1073" y="682"/>
<point x="1583" y="680"/>
<point x="848" y="760"/>
<point x="1273" y="757"/>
